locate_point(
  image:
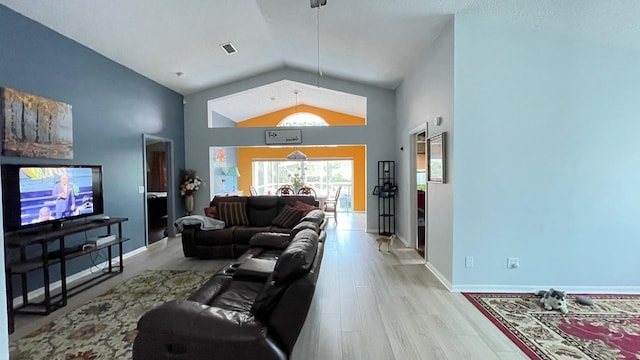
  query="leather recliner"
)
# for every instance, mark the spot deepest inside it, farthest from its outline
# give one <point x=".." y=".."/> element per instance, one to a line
<point x="254" y="308"/>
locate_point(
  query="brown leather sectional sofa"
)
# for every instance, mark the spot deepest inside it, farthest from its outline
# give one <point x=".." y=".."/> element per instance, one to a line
<point x="253" y="308"/>
<point x="232" y="241"/>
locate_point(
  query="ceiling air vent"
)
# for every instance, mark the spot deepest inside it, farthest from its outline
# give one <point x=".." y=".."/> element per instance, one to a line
<point x="318" y="3"/>
<point x="229" y="48"/>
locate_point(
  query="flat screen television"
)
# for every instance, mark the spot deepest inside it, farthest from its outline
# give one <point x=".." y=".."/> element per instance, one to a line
<point x="38" y="195"/>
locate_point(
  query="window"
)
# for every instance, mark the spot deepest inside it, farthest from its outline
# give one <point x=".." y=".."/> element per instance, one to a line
<point x="303" y="119"/>
<point x="324" y="176"/>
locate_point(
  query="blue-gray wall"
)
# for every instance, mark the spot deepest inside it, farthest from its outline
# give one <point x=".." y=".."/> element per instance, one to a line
<point x="112" y="107"/>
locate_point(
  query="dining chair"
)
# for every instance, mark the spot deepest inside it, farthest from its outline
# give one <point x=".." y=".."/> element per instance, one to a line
<point x="285" y="190"/>
<point x="306" y="190"/>
<point x="331" y="205"/>
<point x="253" y="191"/>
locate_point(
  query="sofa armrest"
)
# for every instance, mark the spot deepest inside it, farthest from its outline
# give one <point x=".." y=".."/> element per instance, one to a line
<point x="270" y="240"/>
<point x="199" y="321"/>
<point x="191" y="330"/>
<point x="253" y="269"/>
<point x="189" y="240"/>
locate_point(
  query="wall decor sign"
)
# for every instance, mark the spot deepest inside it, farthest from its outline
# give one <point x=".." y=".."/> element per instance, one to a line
<point x="283" y="136"/>
<point x="33" y="126"/>
<point x="436" y="158"/>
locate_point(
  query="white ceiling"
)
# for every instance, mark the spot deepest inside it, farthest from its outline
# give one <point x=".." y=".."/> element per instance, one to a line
<point x="281" y="95"/>
<point x="374" y="42"/>
<point x="368" y="41"/>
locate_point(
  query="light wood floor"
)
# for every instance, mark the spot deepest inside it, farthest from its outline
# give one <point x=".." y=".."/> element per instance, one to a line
<point x="368" y="304"/>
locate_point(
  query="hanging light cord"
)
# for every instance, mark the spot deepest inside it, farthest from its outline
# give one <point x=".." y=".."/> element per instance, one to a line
<point x="318" y="32"/>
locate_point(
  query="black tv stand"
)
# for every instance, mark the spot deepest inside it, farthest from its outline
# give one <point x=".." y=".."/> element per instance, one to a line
<point x="56" y="225"/>
<point x="19" y="241"/>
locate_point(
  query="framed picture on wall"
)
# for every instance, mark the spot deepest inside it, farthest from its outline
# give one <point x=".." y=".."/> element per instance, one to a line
<point x="436" y="158"/>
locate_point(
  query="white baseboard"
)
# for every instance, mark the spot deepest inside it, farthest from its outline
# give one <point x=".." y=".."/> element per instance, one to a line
<point x="533" y="289"/>
<point x="77" y="276"/>
<point x="487" y="288"/>
<point x="439" y="276"/>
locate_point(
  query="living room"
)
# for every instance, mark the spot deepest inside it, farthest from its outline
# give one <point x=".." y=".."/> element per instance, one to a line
<point x="529" y="105"/>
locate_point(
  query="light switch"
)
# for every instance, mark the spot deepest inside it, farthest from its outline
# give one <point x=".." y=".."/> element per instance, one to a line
<point x="140" y="189"/>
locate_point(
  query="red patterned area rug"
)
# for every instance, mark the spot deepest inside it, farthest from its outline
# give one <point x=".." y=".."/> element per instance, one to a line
<point x="609" y="329"/>
<point x="104" y="328"/>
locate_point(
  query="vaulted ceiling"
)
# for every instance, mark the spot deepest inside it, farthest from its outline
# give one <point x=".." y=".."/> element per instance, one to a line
<point x="371" y="42"/>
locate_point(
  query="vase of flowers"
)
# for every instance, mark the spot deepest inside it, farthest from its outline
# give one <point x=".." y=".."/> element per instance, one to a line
<point x="190" y="184"/>
<point x="296" y="181"/>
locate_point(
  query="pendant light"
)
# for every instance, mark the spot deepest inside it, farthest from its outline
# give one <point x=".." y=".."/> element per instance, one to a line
<point x="297" y="155"/>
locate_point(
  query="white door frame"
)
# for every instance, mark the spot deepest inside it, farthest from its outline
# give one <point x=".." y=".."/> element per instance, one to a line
<point x="171" y="186"/>
<point x="413" y="184"/>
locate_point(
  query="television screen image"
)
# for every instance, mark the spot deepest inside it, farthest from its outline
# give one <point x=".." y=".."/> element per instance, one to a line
<point x="50" y="193"/>
<point x="39" y="195"/>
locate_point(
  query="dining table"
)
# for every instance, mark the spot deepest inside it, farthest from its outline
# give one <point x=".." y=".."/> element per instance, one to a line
<point x="321" y="197"/>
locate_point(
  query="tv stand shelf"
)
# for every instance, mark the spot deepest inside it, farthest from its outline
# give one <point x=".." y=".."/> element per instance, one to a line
<point x="19" y="241"/>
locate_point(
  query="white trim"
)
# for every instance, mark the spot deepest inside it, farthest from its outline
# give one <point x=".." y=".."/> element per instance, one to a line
<point x="439" y="276"/>
<point x="77" y="276"/>
<point x="403" y="241"/>
<point x="418" y="129"/>
<point x="533" y="289"/>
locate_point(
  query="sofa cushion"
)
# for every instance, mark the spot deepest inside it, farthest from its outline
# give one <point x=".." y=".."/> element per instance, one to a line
<point x="293" y="199"/>
<point x="238" y="296"/>
<point x="294" y="262"/>
<point x="306" y="208"/>
<point x="297" y="258"/>
<point x="233" y="213"/>
<point x="288" y="217"/>
<point x="243" y="234"/>
<point x="215" y="237"/>
<point x="261" y="217"/>
<point x="217" y="200"/>
<point x="262" y="201"/>
<point x="270" y="240"/>
<point x="212" y="212"/>
<point x="304" y="225"/>
<point x="254" y="269"/>
<point x="316" y="216"/>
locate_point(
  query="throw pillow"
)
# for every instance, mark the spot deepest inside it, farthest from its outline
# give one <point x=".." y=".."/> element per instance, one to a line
<point x="287" y="217"/>
<point x="233" y="213"/>
<point x="305" y="208"/>
<point x="212" y="212"/>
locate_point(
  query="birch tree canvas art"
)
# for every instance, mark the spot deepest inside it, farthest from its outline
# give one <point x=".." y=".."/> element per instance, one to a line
<point x="33" y="126"/>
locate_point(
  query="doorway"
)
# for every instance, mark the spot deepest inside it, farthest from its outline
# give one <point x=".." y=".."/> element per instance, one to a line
<point x="159" y="209"/>
<point x="421" y="187"/>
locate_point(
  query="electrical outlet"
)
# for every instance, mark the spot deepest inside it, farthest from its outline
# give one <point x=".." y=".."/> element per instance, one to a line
<point x="468" y="261"/>
<point x="513" y="263"/>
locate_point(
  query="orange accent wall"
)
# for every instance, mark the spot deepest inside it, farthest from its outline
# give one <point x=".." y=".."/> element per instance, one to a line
<point x="333" y="118"/>
<point x="355" y="152"/>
